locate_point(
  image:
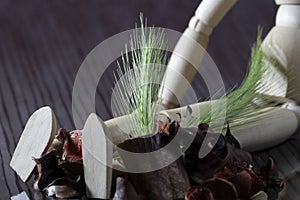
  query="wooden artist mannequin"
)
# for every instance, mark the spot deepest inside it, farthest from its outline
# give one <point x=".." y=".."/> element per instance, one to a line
<point x="277" y="125"/>
<point x="284" y="39"/>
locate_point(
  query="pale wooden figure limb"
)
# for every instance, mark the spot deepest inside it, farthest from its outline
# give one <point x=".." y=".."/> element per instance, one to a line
<point x="187" y="56"/>
<point x="119" y="128"/>
<point x="272" y="128"/>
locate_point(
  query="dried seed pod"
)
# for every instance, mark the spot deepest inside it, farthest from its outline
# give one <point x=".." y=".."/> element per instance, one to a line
<point x="174" y="176"/>
<point x="65" y="188"/>
<point x="62" y="191"/>
<point x="47" y="170"/>
<point x="245" y="180"/>
<point x="125" y="190"/>
<point x="60" y="180"/>
<point x="198" y="193"/>
<point x="222" y="154"/>
<point x="57" y="146"/>
<point x="221" y="189"/>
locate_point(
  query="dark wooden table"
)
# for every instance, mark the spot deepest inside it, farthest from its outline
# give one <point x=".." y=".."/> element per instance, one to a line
<point x="42" y="44"/>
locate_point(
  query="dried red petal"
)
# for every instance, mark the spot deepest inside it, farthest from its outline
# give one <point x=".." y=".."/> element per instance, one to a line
<point x="163" y="127"/>
<point x="168" y="128"/>
<point x="73" y="147"/>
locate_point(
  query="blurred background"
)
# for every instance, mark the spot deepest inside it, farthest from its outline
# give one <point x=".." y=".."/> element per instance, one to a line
<point x="43" y="43"/>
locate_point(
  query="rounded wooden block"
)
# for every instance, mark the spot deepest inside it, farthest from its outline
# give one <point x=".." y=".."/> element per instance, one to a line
<point x="97" y="157"/>
<point x="37" y="136"/>
<point x="280" y="2"/>
<point x="285" y="45"/>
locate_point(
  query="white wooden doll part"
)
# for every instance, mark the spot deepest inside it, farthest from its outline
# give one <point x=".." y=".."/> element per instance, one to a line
<point x="207" y="16"/>
<point x="276" y="125"/>
<point x="284" y="39"/>
<point x="253" y="136"/>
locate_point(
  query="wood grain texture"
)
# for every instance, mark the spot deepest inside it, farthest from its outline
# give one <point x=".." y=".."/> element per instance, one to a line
<point x="42" y="44"/>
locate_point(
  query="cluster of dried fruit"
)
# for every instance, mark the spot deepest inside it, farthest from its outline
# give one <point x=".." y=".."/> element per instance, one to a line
<point x="60" y="171"/>
<point x="225" y="173"/>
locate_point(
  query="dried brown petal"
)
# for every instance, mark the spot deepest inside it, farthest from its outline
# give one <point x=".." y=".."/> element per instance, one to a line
<point x="270" y="177"/>
<point x="58" y="142"/>
<point x="66" y="187"/>
<point x="243" y="184"/>
<point x="231" y="139"/>
<point x="57" y="146"/>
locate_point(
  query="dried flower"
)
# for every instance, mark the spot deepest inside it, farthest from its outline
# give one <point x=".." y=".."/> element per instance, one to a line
<point x="71" y="145"/>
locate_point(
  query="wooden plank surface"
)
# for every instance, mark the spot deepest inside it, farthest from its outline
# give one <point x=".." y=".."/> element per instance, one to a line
<point x="42" y="44"/>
